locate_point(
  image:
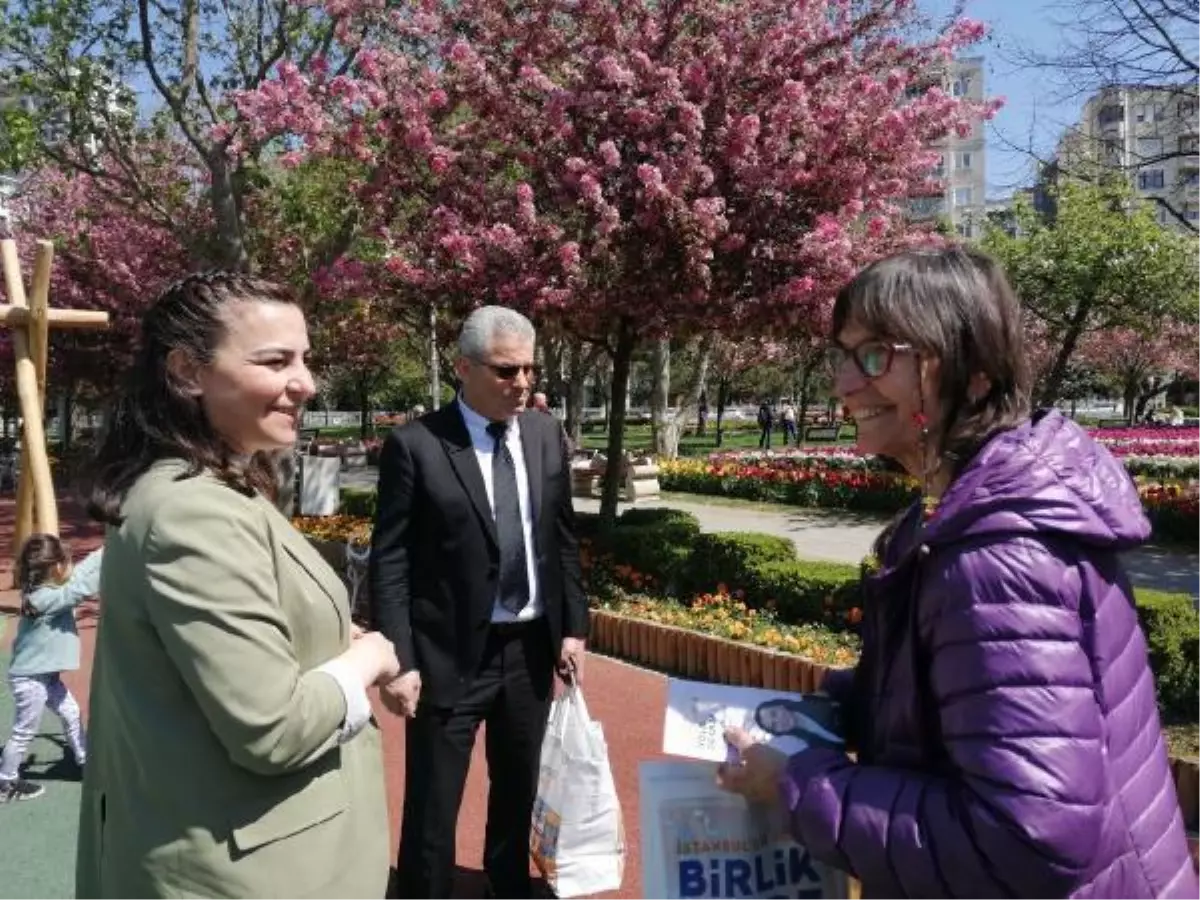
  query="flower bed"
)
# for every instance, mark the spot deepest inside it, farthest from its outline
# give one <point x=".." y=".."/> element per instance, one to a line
<point x="352" y="529"/>
<point x="723" y="614"/>
<point x="1164" y="465"/>
<point x="831" y="481"/>
<point x="688" y="653"/>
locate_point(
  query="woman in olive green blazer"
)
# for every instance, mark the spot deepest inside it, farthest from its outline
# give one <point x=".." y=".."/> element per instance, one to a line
<point x="232" y="751"/>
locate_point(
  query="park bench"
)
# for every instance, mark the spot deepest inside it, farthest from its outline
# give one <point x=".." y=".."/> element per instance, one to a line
<point x="822" y="432"/>
<point x="306" y="438"/>
<point x="639" y="474"/>
<point x="1113" y="423"/>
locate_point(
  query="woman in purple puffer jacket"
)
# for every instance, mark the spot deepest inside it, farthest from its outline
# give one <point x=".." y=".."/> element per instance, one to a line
<point x="1003" y="709"/>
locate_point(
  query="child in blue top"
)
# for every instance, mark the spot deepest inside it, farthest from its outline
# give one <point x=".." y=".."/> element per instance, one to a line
<point x="47" y="644"/>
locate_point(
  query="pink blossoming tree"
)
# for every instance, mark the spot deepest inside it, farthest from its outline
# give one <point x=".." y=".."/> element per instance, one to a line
<point x="108" y="256"/>
<point x="628" y="169"/>
<point x="1144" y="364"/>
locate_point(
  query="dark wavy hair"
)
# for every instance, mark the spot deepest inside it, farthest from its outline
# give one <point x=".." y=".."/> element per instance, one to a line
<point x="953" y="304"/>
<point x="155" y="418"/>
<point x="41" y="555"/>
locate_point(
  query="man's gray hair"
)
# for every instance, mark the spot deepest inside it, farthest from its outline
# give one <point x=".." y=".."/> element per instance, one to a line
<point x="485" y="324"/>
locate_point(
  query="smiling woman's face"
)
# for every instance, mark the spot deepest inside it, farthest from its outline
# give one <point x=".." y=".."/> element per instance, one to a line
<point x="254" y="389"/>
<point x="886" y="408"/>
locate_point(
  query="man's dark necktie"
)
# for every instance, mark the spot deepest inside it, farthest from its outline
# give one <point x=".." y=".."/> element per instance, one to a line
<point x="514" y="576"/>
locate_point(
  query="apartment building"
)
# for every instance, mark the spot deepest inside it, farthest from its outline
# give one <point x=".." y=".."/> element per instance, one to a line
<point x="10" y="100"/>
<point x="1151" y="134"/>
<point x="108" y="104"/>
<point x="962" y="170"/>
<point x="8" y="187"/>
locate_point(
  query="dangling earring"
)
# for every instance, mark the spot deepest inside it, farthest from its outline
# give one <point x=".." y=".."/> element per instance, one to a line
<point x="929" y="503"/>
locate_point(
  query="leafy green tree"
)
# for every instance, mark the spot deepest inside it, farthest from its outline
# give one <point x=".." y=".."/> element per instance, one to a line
<point x="1104" y="263"/>
<point x="78" y="61"/>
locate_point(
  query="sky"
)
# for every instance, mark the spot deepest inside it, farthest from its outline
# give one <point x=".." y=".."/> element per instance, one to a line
<point x="1036" y="109"/>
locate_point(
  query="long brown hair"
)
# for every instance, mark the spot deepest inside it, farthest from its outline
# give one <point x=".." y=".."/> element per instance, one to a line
<point x="155" y="418"/>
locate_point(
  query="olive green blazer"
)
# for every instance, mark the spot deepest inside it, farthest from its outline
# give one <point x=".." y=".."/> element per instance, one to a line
<point x="214" y="768"/>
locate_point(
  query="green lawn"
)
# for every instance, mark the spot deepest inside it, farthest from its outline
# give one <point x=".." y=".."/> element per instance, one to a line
<point x="638" y="438"/>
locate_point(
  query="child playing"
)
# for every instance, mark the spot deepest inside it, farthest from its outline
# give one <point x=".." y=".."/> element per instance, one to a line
<point x="47" y="644"/>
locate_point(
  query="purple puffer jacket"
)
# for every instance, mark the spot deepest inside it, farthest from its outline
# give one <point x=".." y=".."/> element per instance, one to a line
<point x="1004" y="709"/>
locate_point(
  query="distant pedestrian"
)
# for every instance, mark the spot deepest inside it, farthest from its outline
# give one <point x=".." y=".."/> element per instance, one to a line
<point x="788" y="415"/>
<point x="46" y="645"/>
<point x="766" y="423"/>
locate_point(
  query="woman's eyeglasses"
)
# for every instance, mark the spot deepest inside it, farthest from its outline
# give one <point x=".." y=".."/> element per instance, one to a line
<point x="508" y="373"/>
<point x="873" y="358"/>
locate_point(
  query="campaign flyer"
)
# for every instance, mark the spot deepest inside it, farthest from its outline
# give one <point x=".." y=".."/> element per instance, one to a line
<point x="698" y="714"/>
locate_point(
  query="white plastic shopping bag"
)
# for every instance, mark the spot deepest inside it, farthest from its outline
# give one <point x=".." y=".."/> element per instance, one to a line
<point x="577" y="840"/>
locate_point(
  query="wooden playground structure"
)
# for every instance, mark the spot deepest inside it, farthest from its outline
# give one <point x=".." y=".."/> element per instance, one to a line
<point x="30" y="318"/>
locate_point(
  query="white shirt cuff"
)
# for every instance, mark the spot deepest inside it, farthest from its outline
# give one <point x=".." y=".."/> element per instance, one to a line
<point x="358" y="707"/>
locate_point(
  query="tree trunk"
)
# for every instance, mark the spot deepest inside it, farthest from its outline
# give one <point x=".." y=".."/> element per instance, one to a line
<point x="548" y="357"/>
<point x="66" y="418"/>
<point x="230" y="244"/>
<point x="802" y="413"/>
<point x="722" y="391"/>
<point x="622" y="357"/>
<point x="435" y="363"/>
<point x="604" y="386"/>
<point x="1070" y="340"/>
<point x="668" y="433"/>
<point x="1143" y="397"/>
<point x="660" y="393"/>
<point x="580" y="364"/>
<point x="1129" y="396"/>
<point x="364" y="407"/>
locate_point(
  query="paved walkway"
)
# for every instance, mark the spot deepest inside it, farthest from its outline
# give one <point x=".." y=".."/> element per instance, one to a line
<point x="844" y="536"/>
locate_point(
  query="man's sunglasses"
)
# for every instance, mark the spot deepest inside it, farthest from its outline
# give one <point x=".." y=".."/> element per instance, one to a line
<point x="508" y="373"/>
<point x="873" y="358"/>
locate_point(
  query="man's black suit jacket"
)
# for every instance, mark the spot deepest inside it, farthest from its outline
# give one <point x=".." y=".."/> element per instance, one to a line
<point x="434" y="555"/>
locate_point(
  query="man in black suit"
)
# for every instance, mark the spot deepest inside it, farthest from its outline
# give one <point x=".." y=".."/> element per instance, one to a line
<point x="475" y="579"/>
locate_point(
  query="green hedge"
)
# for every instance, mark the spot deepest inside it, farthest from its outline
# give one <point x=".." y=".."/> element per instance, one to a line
<point x="726" y="557"/>
<point x="656" y="542"/>
<point x="358" y="502"/>
<point x="1173" y="635"/>
<point x="803" y="591"/>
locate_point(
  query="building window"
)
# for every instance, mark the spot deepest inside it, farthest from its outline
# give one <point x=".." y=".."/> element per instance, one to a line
<point x="960" y="86"/>
<point x="1191" y="212"/>
<point x="1149" y="112"/>
<point x="1189" y="143"/>
<point x="940" y="171"/>
<point x="1110" y="114"/>
<point x="1187" y="109"/>
<point x="962" y="196"/>
<point x="1151" y="179"/>
<point x="962" y="159"/>
<point x="1189" y="177"/>
<point x="1149" y="147"/>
